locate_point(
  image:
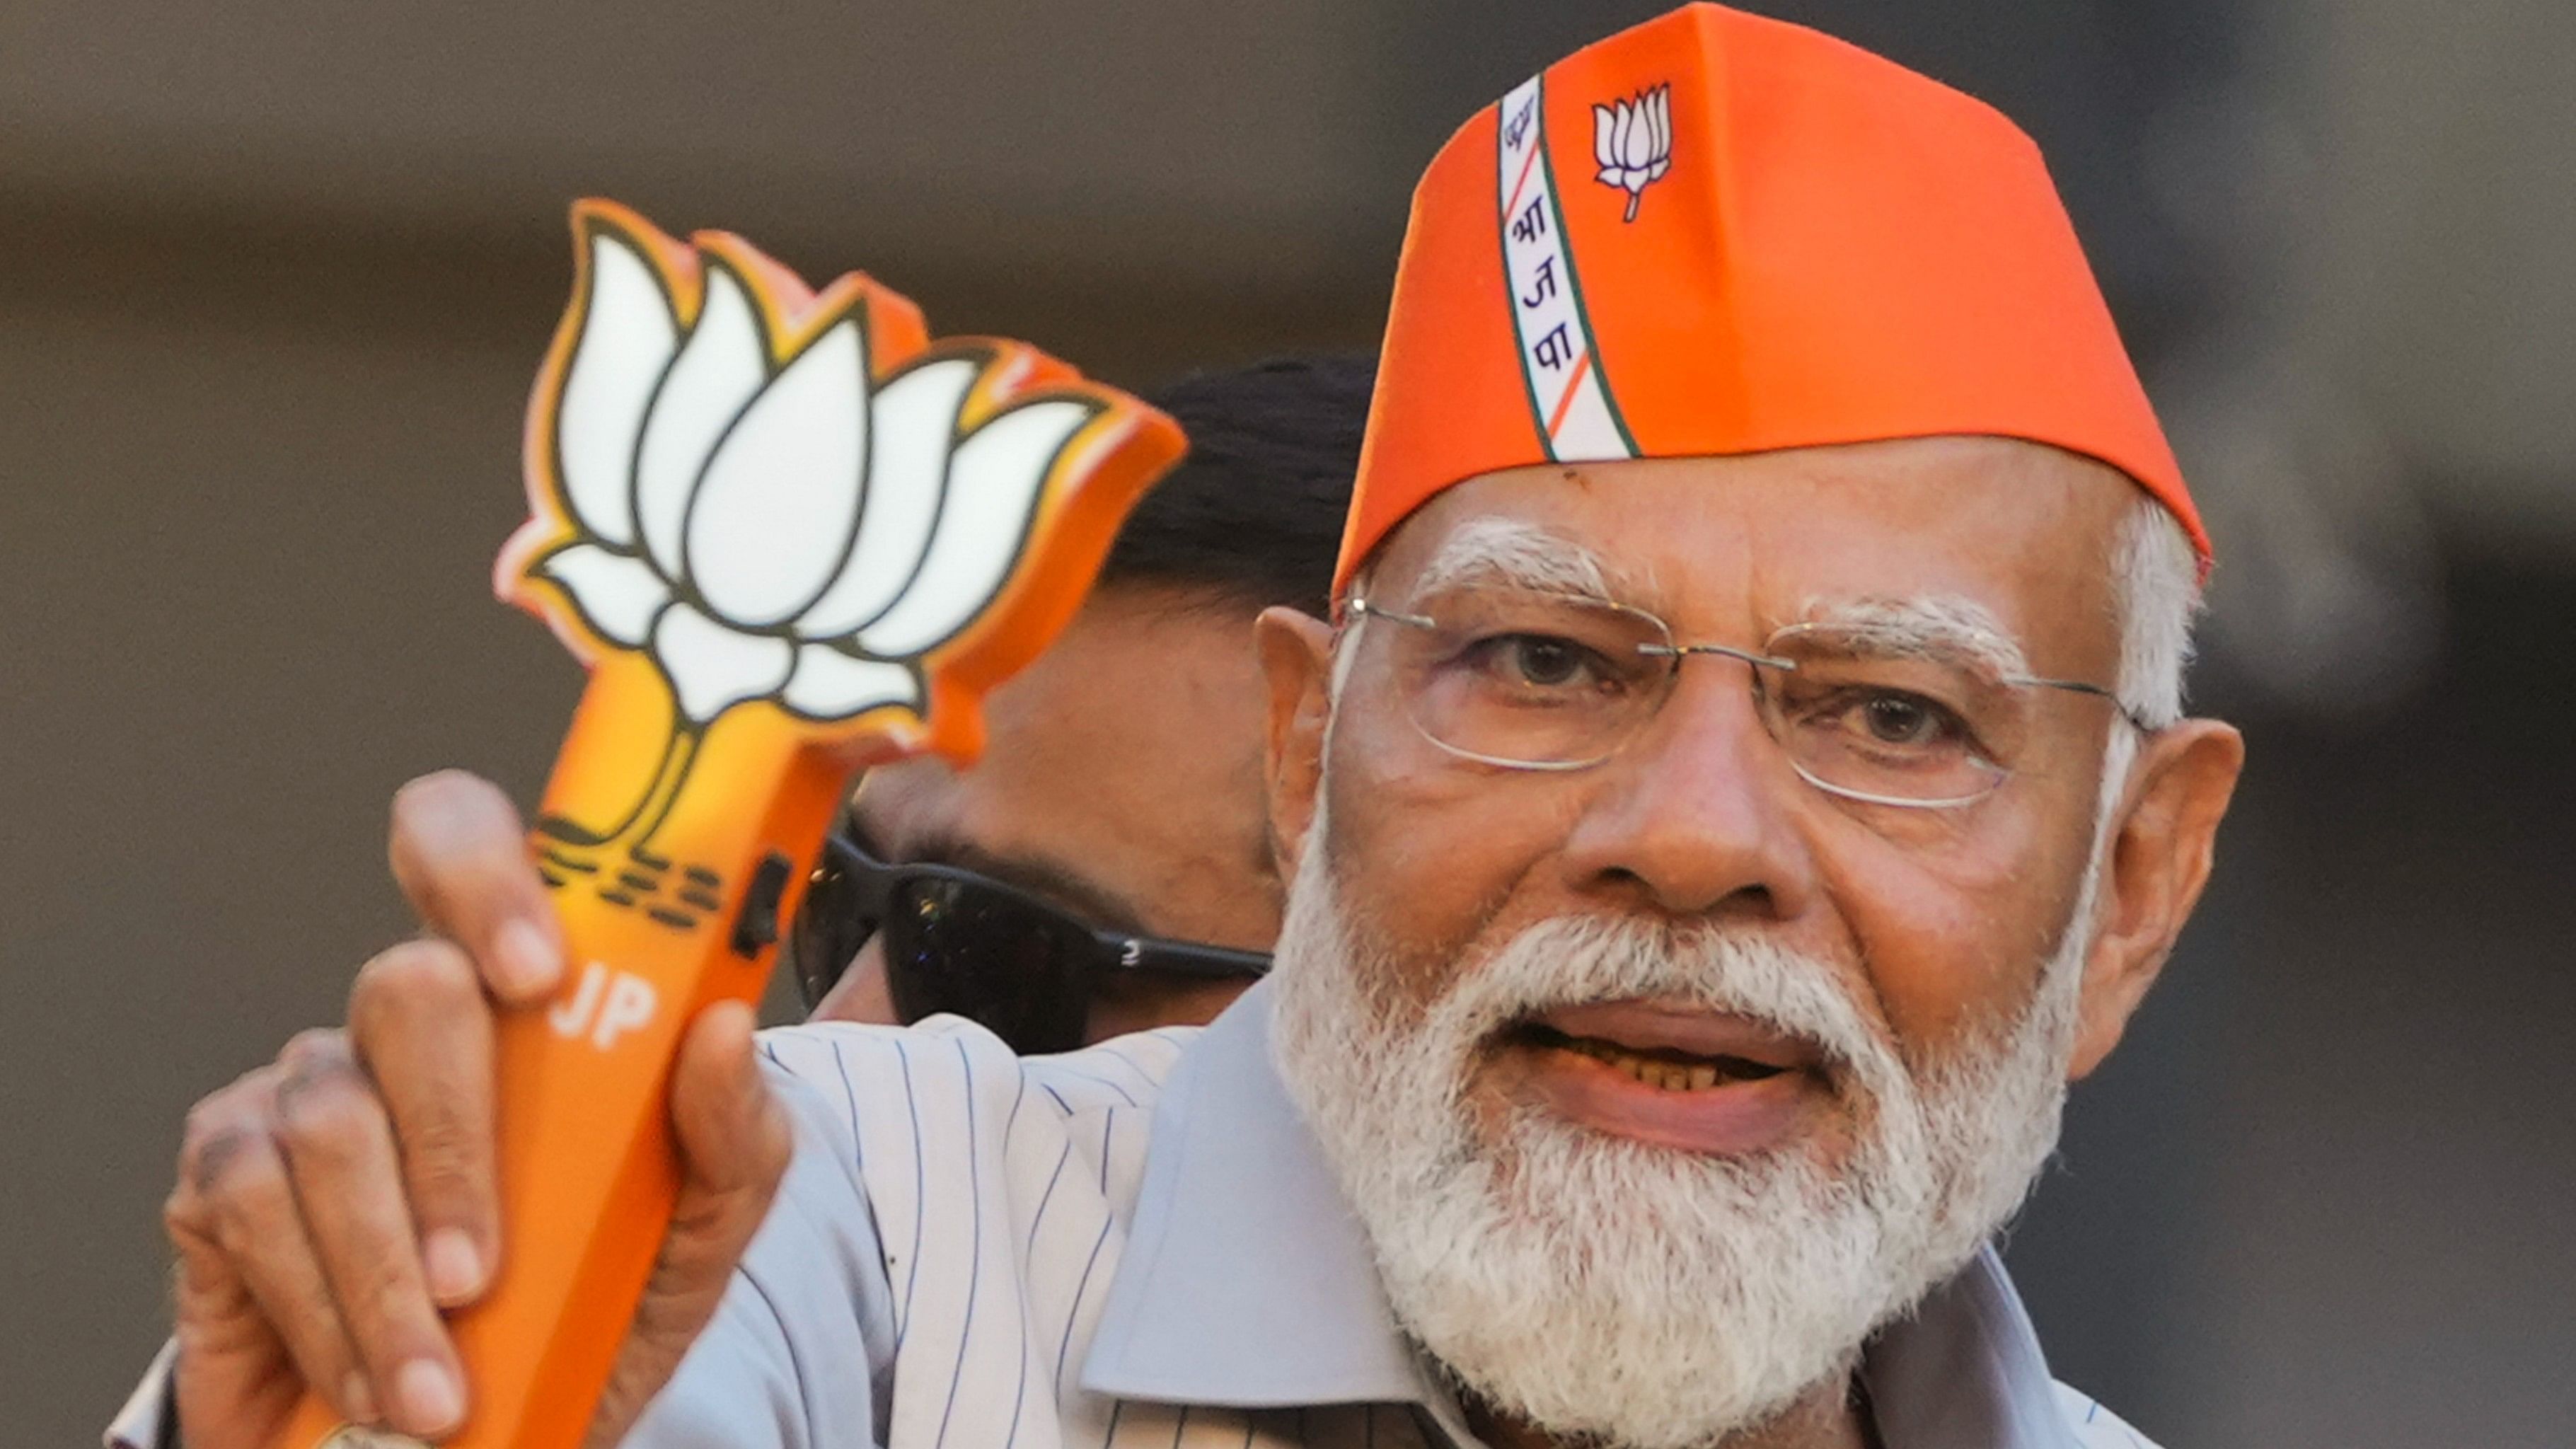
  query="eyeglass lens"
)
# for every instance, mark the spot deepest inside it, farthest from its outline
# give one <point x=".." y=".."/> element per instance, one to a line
<point x="953" y="947"/>
<point x="831" y="925"/>
<point x="1515" y="676"/>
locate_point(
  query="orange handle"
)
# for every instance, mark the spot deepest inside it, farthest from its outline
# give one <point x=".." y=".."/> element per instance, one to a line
<point x="978" y="481"/>
<point x="655" y="933"/>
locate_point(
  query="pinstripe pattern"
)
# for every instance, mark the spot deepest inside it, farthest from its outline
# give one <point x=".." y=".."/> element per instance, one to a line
<point x="1001" y="1262"/>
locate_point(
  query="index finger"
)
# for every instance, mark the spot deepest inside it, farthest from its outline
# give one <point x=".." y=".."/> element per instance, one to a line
<point x="461" y="856"/>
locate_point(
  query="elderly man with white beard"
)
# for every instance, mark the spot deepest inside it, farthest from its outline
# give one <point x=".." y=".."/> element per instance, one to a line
<point x="1744" y="781"/>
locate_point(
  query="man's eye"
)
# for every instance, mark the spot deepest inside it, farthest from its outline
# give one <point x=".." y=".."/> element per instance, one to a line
<point x="1534" y="661"/>
<point x="1906" y="721"/>
<point x="1537" y="659"/>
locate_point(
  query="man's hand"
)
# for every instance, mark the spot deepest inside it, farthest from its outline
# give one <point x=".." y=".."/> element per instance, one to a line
<point x="331" y="1203"/>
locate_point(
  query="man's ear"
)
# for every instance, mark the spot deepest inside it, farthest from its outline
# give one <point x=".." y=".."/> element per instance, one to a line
<point x="2160" y="855"/>
<point x="1297" y="661"/>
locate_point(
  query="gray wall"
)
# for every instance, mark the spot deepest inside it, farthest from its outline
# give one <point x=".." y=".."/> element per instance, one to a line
<point x="273" y="279"/>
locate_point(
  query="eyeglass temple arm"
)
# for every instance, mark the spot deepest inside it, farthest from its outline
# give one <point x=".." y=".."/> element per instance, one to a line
<point x="1143" y="953"/>
<point x="1360" y="608"/>
<point x="2078" y="686"/>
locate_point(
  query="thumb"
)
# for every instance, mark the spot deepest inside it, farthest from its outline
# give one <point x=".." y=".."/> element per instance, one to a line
<point x="734" y="1137"/>
<point x="734" y="1144"/>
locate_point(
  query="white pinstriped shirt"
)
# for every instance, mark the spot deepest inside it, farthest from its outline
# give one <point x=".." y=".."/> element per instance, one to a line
<point x="1138" y="1244"/>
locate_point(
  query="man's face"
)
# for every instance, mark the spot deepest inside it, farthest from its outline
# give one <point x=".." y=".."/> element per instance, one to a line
<point x="1121" y="780"/>
<point x="1937" y="917"/>
<point x="1660" y="1082"/>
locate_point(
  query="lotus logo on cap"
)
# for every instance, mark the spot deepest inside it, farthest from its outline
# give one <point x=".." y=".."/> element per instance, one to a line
<point x="1633" y="142"/>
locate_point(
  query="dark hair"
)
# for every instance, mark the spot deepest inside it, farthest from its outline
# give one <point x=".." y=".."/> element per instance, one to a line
<point x="1253" y="515"/>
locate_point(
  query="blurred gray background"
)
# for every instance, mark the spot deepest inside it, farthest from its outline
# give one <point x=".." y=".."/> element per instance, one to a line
<point x="274" y="277"/>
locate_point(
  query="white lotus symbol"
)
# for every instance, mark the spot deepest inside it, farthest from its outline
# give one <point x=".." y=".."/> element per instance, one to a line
<point x="1632" y="141"/>
<point x="779" y="527"/>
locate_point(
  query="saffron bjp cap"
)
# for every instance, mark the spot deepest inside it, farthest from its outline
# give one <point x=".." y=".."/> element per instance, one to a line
<point x="1715" y="233"/>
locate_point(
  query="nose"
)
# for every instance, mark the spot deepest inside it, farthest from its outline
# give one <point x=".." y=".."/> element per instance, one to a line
<point x="1692" y="818"/>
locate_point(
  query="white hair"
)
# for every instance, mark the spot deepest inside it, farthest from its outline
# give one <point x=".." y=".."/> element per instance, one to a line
<point x="2155" y="588"/>
<point x="1933" y="627"/>
<point x="1509" y="551"/>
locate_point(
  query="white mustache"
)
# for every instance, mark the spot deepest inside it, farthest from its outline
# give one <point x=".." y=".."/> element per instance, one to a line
<point x="1578" y="960"/>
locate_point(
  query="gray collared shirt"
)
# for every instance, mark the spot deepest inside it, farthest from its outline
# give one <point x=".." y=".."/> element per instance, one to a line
<point x="1139" y="1243"/>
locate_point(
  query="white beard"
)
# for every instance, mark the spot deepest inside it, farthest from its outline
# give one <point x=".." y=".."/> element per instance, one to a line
<point x="1603" y="1289"/>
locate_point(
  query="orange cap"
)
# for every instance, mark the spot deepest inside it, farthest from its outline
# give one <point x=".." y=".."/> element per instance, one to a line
<point x="1714" y="233"/>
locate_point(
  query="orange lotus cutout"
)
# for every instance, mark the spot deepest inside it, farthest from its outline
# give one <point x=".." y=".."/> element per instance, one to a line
<point x="790" y="535"/>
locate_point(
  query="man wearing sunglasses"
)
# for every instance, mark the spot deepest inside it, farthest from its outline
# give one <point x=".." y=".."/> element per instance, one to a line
<point x="1036" y="974"/>
<point x="1744" y="781"/>
<point x="1106" y="867"/>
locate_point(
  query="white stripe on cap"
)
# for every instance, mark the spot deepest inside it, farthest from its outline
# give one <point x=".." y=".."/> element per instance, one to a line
<point x="1568" y="397"/>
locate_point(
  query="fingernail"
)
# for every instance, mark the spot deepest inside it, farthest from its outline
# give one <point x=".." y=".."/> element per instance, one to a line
<point x="524" y="957"/>
<point x="430" y="1399"/>
<point x="455" y="1269"/>
<point x="356" y="1399"/>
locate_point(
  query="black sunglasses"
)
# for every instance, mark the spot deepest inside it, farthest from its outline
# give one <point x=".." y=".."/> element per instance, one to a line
<point x="964" y="943"/>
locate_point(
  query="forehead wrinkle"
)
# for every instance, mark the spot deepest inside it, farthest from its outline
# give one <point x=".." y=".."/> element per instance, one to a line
<point x="1510" y="552"/>
<point x="1933" y="626"/>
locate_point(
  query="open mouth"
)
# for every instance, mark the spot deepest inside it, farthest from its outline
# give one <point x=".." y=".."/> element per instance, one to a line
<point x="1670" y="1072"/>
<point x="1665" y="1068"/>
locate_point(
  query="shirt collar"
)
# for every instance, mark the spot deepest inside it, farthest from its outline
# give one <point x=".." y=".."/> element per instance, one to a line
<point x="1964" y="1370"/>
<point x="1247" y="1283"/>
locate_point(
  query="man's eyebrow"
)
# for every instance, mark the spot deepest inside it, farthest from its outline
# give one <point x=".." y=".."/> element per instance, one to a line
<point x="1933" y="627"/>
<point x="1521" y="555"/>
<point x="1050" y="881"/>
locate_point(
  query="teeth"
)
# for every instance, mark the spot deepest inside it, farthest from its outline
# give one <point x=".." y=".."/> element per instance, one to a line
<point x="1654" y="1072"/>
